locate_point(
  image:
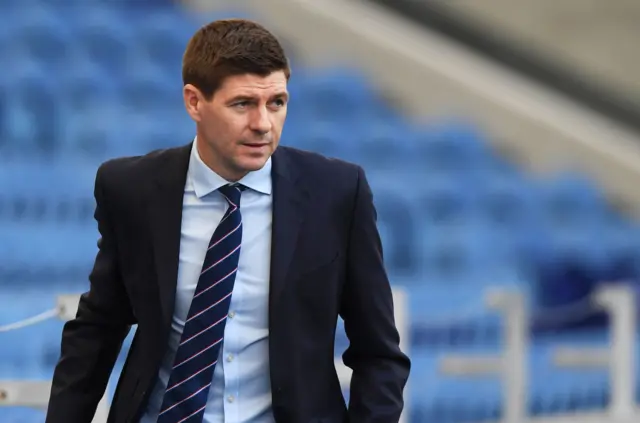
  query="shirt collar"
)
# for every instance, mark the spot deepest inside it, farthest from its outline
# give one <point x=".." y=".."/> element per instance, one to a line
<point x="205" y="180"/>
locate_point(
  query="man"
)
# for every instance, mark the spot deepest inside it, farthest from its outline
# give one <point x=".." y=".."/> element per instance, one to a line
<point x="234" y="259"/>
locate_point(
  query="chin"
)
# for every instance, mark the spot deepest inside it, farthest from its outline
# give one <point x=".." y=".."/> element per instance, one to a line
<point x="251" y="164"/>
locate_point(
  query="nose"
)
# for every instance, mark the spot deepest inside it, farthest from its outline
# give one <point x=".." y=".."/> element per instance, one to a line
<point x="261" y="121"/>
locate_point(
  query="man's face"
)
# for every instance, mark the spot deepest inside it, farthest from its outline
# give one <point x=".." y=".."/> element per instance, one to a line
<point x="240" y="127"/>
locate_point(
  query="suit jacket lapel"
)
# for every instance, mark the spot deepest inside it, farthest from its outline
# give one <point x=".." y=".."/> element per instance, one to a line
<point x="165" y="219"/>
<point x="289" y="203"/>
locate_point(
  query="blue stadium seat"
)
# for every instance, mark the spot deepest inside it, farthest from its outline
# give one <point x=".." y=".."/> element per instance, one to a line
<point x="64" y="255"/>
<point x="453" y="147"/>
<point x="147" y="133"/>
<point x="94" y="135"/>
<point x="509" y="207"/>
<point x="384" y="144"/>
<point x="581" y="245"/>
<point x="441" y="398"/>
<point x="146" y="90"/>
<point x="104" y="38"/>
<point x="44" y="208"/>
<point x="19" y="180"/>
<point x="507" y="201"/>
<point x="397" y="224"/>
<point x="554" y="390"/>
<point x="463" y="256"/>
<point x="448" y="399"/>
<point x="91" y="111"/>
<point x="444" y="201"/>
<point x="621" y="245"/>
<point x="7" y="8"/>
<point x="22" y="415"/>
<point x="337" y="94"/>
<point x="327" y="138"/>
<point x="86" y="87"/>
<point x="570" y="199"/>
<point x="443" y="303"/>
<point x="161" y="38"/>
<point x="39" y="33"/>
<point x="32" y="120"/>
<point x="569" y="274"/>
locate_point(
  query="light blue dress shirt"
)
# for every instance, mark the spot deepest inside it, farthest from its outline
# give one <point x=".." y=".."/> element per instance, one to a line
<point x="241" y="388"/>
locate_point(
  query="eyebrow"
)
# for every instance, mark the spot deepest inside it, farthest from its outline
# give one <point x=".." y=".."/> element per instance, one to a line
<point x="244" y="97"/>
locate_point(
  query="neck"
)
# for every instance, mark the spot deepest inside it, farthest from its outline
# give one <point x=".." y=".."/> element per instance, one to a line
<point x="209" y="158"/>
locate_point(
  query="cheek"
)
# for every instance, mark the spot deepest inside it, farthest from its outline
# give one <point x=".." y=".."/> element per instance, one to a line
<point x="278" y="123"/>
<point x="233" y="123"/>
<point x="223" y="128"/>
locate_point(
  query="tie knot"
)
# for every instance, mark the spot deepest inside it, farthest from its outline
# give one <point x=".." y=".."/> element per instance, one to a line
<point x="232" y="193"/>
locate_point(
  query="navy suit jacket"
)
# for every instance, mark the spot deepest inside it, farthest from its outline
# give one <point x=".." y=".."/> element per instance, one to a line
<point x="326" y="262"/>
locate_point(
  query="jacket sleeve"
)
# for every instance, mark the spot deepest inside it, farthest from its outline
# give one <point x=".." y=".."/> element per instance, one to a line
<point x="380" y="368"/>
<point x="92" y="341"/>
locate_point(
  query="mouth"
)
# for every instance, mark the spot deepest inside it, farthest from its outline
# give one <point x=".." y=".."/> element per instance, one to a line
<point x="256" y="145"/>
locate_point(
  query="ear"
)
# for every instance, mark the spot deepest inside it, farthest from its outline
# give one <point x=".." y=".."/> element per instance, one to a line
<point x="193" y="101"/>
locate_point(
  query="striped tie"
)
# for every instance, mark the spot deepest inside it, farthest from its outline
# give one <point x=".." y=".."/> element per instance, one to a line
<point x="186" y="396"/>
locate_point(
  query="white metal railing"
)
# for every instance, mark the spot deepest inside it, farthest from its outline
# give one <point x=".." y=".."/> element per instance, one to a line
<point x="35" y="393"/>
<point x="511" y="364"/>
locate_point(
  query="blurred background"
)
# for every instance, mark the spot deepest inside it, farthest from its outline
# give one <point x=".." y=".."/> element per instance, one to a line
<point x="501" y="139"/>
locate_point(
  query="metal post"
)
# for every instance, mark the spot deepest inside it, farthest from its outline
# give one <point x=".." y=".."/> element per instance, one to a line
<point x="511" y="364"/>
<point x="401" y="312"/>
<point x="619" y="301"/>
<point x="514" y="361"/>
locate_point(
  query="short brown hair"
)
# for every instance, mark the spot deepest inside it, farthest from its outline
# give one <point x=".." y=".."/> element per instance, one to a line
<point x="230" y="47"/>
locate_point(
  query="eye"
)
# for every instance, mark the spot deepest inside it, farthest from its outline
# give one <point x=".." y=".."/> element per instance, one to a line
<point x="279" y="102"/>
<point x="241" y="104"/>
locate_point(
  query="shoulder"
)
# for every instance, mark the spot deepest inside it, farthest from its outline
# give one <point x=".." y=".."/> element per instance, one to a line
<point x="123" y="168"/>
<point x="131" y="171"/>
<point x="334" y="185"/>
<point x="320" y="170"/>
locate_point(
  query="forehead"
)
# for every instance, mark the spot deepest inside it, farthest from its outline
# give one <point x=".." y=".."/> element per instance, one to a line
<point x="252" y="84"/>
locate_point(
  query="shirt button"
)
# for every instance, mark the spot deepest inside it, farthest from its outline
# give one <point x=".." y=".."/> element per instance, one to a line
<point x="230" y="398"/>
<point x="232" y="314"/>
<point x="230" y="358"/>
